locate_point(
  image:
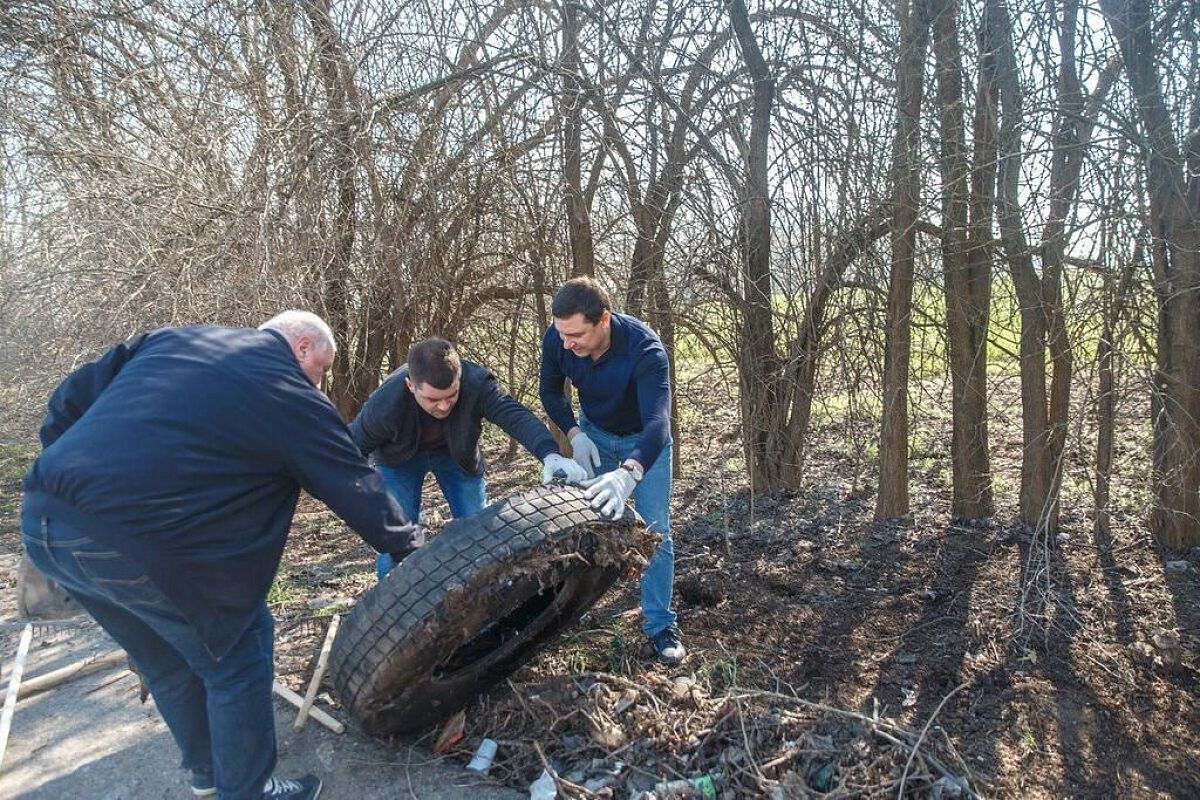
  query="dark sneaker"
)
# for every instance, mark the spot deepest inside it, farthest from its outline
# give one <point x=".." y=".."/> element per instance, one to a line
<point x="203" y="784"/>
<point x="667" y="647"/>
<point x="305" y="788"/>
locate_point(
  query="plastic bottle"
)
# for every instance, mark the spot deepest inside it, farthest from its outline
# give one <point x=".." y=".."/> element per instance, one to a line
<point x="708" y="783"/>
<point x="705" y="786"/>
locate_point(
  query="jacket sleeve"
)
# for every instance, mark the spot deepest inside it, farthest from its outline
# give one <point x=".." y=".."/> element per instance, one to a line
<point x="515" y="419"/>
<point x="653" y="378"/>
<point x="375" y="424"/>
<point x="75" y="395"/>
<point x="551" y="383"/>
<point x="326" y="461"/>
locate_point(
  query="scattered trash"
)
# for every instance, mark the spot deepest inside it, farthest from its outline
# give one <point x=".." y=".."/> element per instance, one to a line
<point x="544" y="788"/>
<point x="709" y="784"/>
<point x="628" y="698"/>
<point x="703" y="786"/>
<point x="682" y="687"/>
<point x="608" y="736"/>
<point x="948" y="788"/>
<point x="602" y="782"/>
<point x="1178" y="566"/>
<point x="909" y="697"/>
<point x="821" y="779"/>
<point x="451" y="734"/>
<point x="482" y="761"/>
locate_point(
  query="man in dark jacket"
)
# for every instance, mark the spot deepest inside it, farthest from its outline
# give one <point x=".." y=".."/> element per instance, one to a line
<point x="428" y="417"/>
<point x="161" y="501"/>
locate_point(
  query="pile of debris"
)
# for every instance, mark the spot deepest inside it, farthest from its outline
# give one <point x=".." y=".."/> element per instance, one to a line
<point x="605" y="735"/>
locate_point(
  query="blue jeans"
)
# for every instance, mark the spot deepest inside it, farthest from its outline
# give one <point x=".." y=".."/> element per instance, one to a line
<point x="652" y="498"/>
<point x="464" y="491"/>
<point x="218" y="711"/>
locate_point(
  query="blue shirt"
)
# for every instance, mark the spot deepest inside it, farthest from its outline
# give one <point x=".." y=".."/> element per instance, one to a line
<point x="626" y="391"/>
<point x="185" y="450"/>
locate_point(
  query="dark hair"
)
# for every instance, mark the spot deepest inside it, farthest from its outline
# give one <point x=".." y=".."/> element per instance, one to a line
<point x="581" y="296"/>
<point x="434" y="362"/>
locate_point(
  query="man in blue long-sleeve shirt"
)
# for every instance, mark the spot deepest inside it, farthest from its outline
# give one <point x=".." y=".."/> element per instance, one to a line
<point x="161" y="501"/>
<point x="619" y="368"/>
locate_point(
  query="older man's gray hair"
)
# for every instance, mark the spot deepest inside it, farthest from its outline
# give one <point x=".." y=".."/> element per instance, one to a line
<point x="294" y="323"/>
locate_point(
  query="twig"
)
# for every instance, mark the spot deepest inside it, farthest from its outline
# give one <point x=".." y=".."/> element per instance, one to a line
<point x="316" y="713"/>
<point x="916" y="746"/>
<point x="314" y="685"/>
<point x="70" y="672"/>
<point x="560" y="781"/>
<point x="894" y="733"/>
<point x="746" y="740"/>
<point x="14" y="688"/>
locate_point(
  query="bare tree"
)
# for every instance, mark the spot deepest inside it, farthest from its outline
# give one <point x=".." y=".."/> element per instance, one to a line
<point x="906" y="177"/>
<point x="967" y="197"/>
<point x="1173" y="179"/>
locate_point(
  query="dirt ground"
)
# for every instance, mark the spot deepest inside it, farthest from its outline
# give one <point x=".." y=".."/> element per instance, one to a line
<point x="829" y="655"/>
<point x="93" y="738"/>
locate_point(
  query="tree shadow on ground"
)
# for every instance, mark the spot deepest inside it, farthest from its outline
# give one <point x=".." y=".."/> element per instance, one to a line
<point x="1102" y="754"/>
<point x="930" y="652"/>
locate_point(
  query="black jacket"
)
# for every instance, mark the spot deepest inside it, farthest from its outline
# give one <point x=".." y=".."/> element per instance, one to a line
<point x="185" y="450"/>
<point x="388" y="426"/>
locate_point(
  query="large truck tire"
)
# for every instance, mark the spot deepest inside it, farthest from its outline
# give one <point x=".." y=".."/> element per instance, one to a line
<point x="476" y="602"/>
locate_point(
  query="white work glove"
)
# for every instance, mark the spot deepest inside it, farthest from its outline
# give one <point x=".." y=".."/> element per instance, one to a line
<point x="585" y="453"/>
<point x="559" y="466"/>
<point x="608" y="492"/>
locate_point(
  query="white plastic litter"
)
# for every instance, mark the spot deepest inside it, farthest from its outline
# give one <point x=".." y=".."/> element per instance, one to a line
<point x="543" y="788"/>
<point x="482" y="761"/>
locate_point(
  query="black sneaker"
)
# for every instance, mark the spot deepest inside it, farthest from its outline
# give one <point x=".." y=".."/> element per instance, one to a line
<point x="203" y="784"/>
<point x="667" y="647"/>
<point x="305" y="788"/>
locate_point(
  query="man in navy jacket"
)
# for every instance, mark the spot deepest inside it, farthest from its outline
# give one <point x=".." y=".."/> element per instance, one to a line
<point x="428" y="417"/>
<point x="620" y="370"/>
<point x="162" y="499"/>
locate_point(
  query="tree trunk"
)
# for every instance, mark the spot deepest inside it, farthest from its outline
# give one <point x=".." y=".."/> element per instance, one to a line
<point x="1035" y="461"/>
<point x="335" y="272"/>
<point x="1070" y="131"/>
<point x="759" y="362"/>
<point x="805" y="351"/>
<point x="906" y="183"/>
<point x="1045" y="410"/>
<point x="1175" y="229"/>
<point x="579" y="224"/>
<point x="1106" y="395"/>
<point x="967" y="279"/>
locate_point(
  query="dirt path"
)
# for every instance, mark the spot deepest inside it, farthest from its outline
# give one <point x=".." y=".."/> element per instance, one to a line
<point x="91" y="738"/>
